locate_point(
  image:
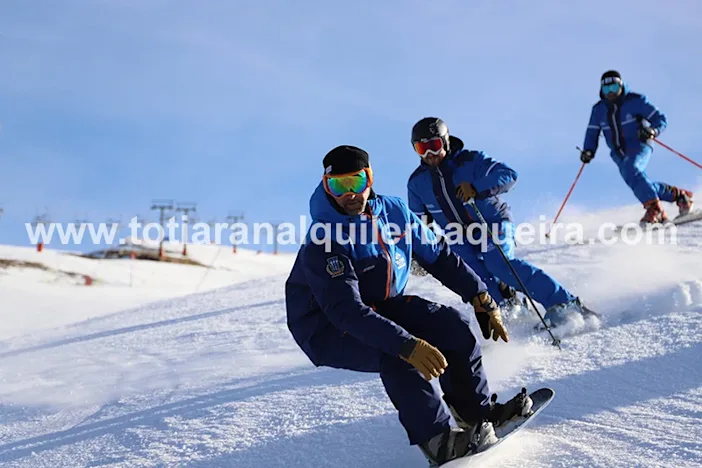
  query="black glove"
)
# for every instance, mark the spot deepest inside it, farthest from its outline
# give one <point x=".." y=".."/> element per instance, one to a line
<point x="587" y="156"/>
<point x="646" y="133"/>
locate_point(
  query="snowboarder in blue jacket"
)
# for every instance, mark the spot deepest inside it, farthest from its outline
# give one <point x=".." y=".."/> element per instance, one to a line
<point x="629" y="122"/>
<point x="441" y="189"/>
<point x="346" y="308"/>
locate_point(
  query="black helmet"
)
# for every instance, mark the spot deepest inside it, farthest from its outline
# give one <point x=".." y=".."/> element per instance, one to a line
<point x="431" y="127"/>
<point x="613" y="75"/>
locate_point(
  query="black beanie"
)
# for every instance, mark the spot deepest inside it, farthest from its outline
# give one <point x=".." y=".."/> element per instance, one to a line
<point x="610" y="74"/>
<point x="344" y="159"/>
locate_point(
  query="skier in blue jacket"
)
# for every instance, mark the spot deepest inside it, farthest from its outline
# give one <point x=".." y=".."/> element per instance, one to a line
<point x="346" y="308"/>
<point x="629" y="121"/>
<point x="448" y="178"/>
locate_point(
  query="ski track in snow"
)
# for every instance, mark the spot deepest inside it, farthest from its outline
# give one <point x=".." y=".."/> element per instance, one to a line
<point x="214" y="379"/>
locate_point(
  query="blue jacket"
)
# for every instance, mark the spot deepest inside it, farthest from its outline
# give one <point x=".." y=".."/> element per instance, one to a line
<point x="343" y="283"/>
<point x="620" y="122"/>
<point x="432" y="190"/>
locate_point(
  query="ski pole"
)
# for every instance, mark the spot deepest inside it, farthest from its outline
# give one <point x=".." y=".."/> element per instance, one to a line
<point x="567" y="196"/>
<point x="556" y="341"/>
<point x="678" y="153"/>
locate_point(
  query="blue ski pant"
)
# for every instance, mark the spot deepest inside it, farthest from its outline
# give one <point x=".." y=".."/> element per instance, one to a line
<point x="489" y="264"/>
<point x="421" y="409"/>
<point x="632" y="168"/>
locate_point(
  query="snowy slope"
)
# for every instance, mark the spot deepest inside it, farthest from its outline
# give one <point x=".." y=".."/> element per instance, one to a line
<point x="58" y="295"/>
<point x="213" y="379"/>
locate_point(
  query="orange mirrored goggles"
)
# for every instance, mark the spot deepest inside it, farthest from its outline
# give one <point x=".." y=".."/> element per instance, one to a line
<point x="431" y="146"/>
<point x="344" y="184"/>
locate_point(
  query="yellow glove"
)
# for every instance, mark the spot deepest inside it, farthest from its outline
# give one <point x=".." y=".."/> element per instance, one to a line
<point x="489" y="318"/>
<point x="465" y="191"/>
<point x="426" y="359"/>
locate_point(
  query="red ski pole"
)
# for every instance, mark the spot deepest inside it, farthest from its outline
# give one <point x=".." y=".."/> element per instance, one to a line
<point x="567" y="196"/>
<point x="679" y="154"/>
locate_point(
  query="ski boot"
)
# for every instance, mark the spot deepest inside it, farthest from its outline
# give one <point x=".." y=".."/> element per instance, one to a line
<point x="654" y="213"/>
<point x="510" y="305"/>
<point x="456" y="442"/>
<point x="682" y="198"/>
<point x="558" y="314"/>
<point x="507" y="291"/>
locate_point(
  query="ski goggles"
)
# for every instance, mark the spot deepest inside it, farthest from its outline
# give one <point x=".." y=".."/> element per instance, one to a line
<point x="611" y="88"/>
<point x="611" y="84"/>
<point x="346" y="184"/>
<point x="431" y="146"/>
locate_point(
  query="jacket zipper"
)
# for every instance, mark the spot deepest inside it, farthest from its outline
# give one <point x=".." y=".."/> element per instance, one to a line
<point x="616" y="130"/>
<point x="446" y="195"/>
<point x="388" y="258"/>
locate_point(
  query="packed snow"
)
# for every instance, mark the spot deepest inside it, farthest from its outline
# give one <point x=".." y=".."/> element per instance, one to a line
<point x="40" y="298"/>
<point x="158" y="364"/>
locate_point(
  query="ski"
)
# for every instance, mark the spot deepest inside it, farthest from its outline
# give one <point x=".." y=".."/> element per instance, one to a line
<point x="692" y="216"/>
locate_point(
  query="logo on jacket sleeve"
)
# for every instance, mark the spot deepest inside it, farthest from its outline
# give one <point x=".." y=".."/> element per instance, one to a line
<point x="335" y="267"/>
<point x="400" y="261"/>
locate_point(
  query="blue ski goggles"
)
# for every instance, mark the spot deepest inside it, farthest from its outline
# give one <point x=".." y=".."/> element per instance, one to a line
<point x="611" y="88"/>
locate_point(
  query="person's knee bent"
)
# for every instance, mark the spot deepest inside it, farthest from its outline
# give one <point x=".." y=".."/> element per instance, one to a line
<point x="335" y="349"/>
<point x="457" y="331"/>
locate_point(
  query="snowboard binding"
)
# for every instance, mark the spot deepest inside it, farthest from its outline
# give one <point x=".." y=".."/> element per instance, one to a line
<point x="518" y="407"/>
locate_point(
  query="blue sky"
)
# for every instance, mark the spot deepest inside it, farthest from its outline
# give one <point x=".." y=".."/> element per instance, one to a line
<point x="105" y="105"/>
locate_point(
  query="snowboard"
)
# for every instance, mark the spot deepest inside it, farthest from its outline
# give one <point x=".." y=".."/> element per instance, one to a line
<point x="541" y="399"/>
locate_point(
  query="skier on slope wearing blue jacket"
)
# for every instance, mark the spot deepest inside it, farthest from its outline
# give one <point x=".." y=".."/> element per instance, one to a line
<point x="346" y="308"/>
<point x="441" y="188"/>
<point x="621" y="116"/>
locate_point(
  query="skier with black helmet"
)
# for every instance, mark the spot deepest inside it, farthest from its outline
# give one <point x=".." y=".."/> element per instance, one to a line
<point x="448" y="178"/>
<point x="629" y="122"/>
